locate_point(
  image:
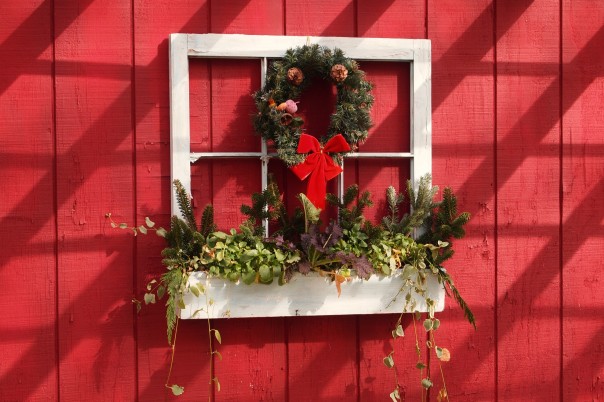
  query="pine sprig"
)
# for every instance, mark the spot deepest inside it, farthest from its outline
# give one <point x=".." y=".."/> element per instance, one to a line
<point x="265" y="205"/>
<point x="422" y="201"/>
<point x="444" y="224"/>
<point x="421" y="204"/>
<point x="457" y="296"/>
<point x="350" y="213"/>
<point x="184" y="204"/>
<point x="207" y="221"/>
<point x="393" y="198"/>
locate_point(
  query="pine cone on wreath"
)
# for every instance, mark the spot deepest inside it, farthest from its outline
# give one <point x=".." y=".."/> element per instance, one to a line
<point x="295" y="76"/>
<point x="339" y="73"/>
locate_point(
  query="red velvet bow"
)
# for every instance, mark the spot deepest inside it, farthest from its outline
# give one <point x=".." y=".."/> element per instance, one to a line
<point x="319" y="165"/>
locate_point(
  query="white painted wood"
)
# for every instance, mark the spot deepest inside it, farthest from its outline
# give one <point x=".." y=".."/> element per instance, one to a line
<point x="310" y="295"/>
<point x="180" y="130"/>
<point x="378" y="155"/>
<point x="257" y="46"/>
<point x="421" y="110"/>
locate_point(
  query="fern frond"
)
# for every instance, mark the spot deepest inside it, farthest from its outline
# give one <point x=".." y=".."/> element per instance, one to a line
<point x="173" y="280"/>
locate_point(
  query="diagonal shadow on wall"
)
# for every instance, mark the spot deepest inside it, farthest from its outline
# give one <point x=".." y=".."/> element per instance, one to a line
<point x="551" y="91"/>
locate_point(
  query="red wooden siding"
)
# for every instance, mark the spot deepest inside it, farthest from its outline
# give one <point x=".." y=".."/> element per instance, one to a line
<point x="517" y="133"/>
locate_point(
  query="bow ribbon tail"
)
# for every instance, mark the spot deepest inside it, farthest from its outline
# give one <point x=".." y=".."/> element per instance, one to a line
<point x="316" y="189"/>
<point x="311" y="169"/>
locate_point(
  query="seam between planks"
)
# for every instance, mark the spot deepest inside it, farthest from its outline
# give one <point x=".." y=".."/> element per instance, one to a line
<point x="134" y="195"/>
<point x="561" y="196"/>
<point x="496" y="208"/>
<point x="55" y="192"/>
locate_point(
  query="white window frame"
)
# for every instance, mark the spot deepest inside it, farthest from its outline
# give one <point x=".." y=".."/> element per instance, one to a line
<point x="236" y="300"/>
<point x="417" y="52"/>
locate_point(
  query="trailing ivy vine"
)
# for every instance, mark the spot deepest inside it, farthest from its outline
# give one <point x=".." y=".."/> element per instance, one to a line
<point x="341" y="249"/>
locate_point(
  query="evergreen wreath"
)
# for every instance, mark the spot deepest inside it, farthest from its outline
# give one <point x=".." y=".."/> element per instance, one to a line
<point x="288" y="77"/>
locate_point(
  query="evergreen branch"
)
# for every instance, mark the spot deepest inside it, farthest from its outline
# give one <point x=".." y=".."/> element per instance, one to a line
<point x="457" y="296"/>
<point x="444" y="224"/>
<point x="421" y="204"/>
<point x="207" y="221"/>
<point x="350" y="214"/>
<point x="184" y="204"/>
<point x="265" y="205"/>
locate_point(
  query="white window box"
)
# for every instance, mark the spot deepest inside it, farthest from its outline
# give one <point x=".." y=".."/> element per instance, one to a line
<point x="310" y="295"/>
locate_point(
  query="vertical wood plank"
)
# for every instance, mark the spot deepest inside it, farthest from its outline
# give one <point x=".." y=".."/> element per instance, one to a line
<point x="94" y="176"/>
<point x="391" y="132"/>
<point x="254" y="351"/>
<point x="391" y="19"/>
<point x="528" y="166"/>
<point x="254" y="360"/>
<point x="583" y="191"/>
<point x="153" y="23"/>
<point x="322" y="351"/>
<point x="251" y="17"/>
<point x="463" y="158"/>
<point x="233" y="82"/>
<point x="320" y="18"/>
<point x="27" y="213"/>
<point x="322" y="363"/>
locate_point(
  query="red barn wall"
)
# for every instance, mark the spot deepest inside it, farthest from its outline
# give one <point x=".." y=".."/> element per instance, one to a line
<point x="517" y="134"/>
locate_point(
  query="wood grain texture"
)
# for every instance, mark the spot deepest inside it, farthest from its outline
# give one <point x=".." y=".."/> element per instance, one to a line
<point x="521" y="350"/>
<point x="251" y="17"/>
<point x="463" y="158"/>
<point x="322" y="362"/>
<point x="254" y="365"/>
<point x="94" y="176"/>
<point x="254" y="360"/>
<point x="583" y="191"/>
<point x="307" y="295"/>
<point x="391" y="19"/>
<point x="153" y="22"/>
<point x="233" y="181"/>
<point x="322" y="351"/>
<point x="528" y="166"/>
<point x="28" y="366"/>
<point x="391" y="132"/>
<point x="334" y="18"/>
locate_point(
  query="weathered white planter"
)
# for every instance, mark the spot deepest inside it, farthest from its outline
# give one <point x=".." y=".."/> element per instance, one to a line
<point x="310" y="295"/>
